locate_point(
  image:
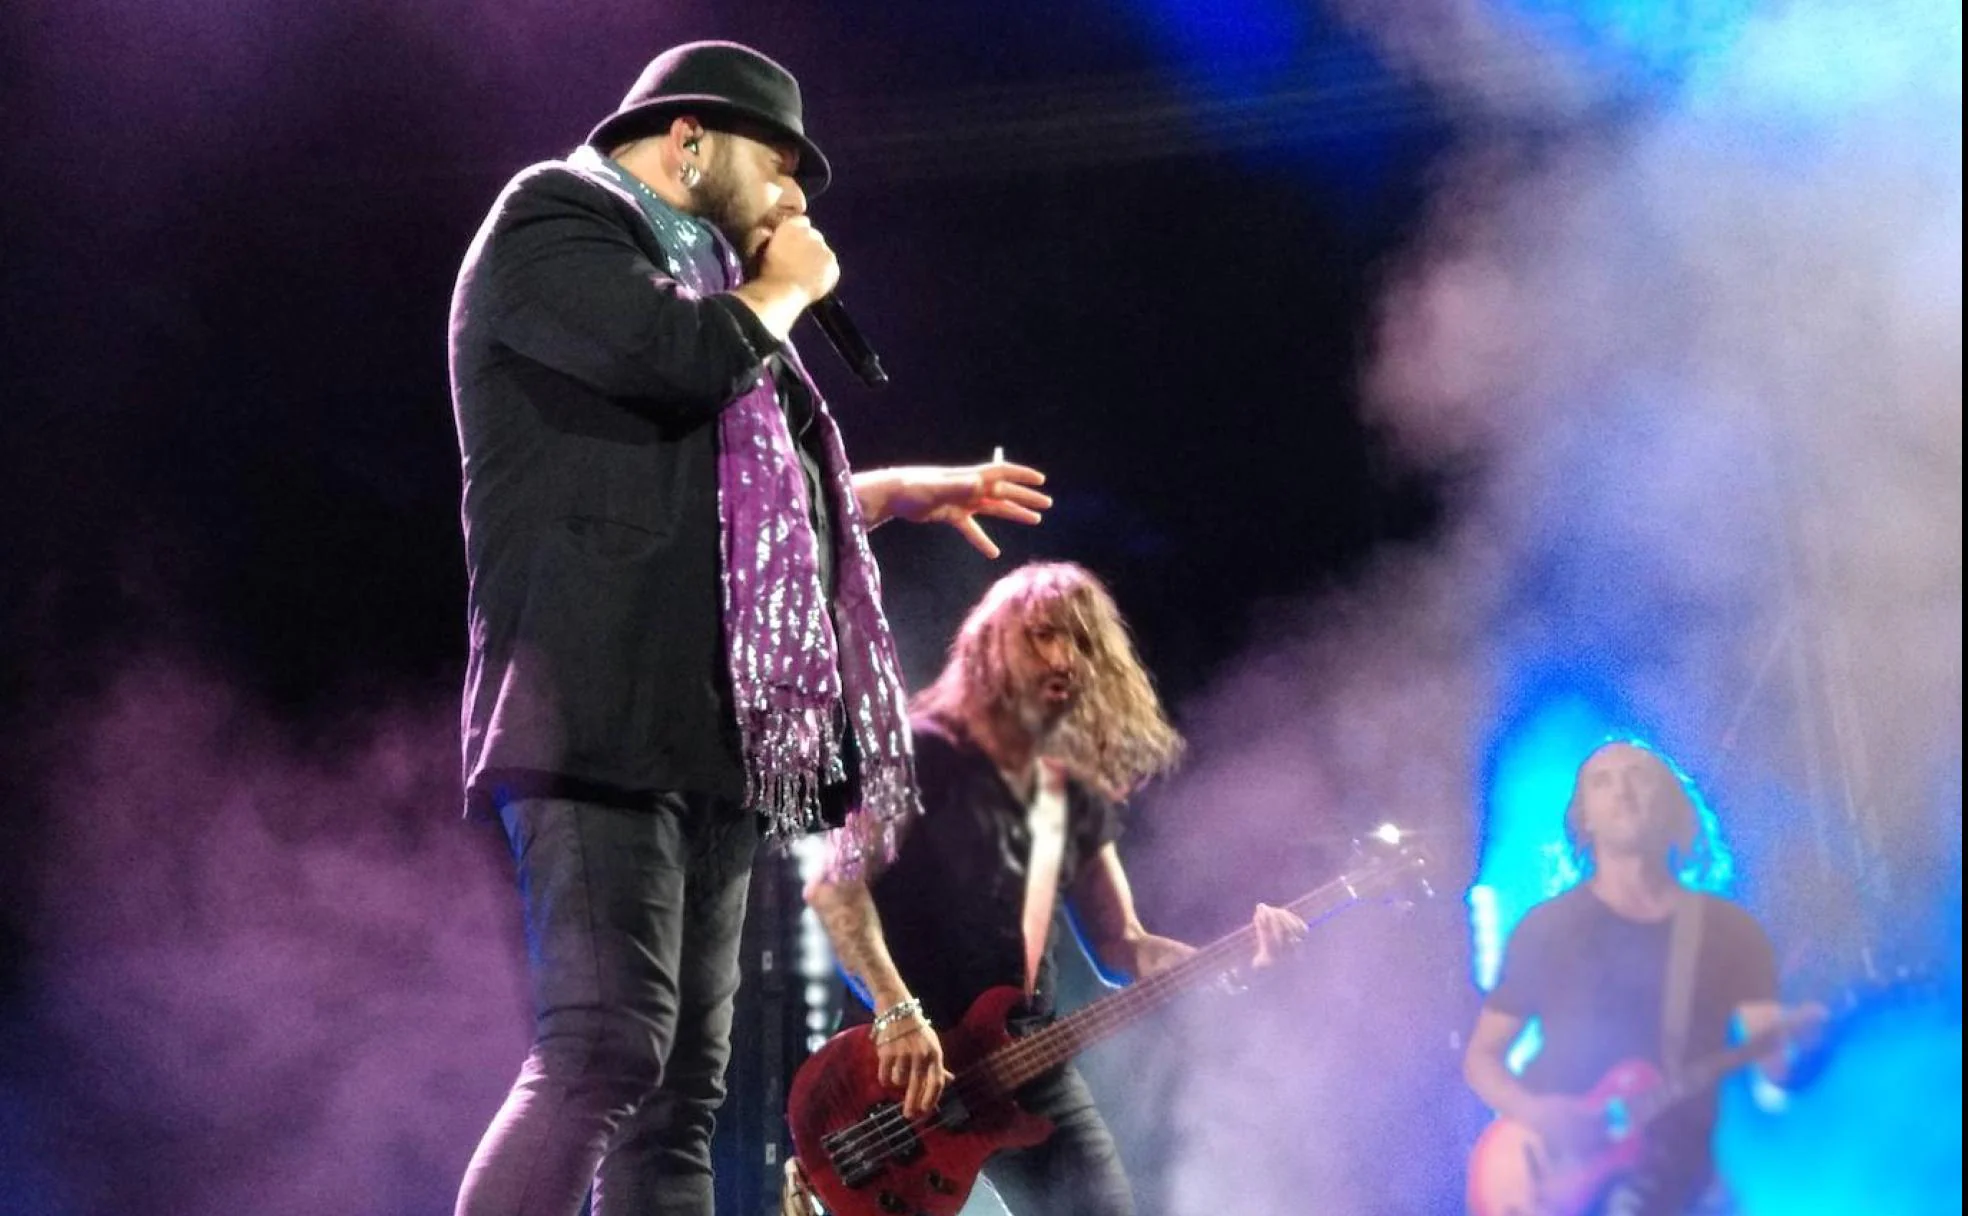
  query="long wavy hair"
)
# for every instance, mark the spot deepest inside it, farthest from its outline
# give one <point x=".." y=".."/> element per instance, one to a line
<point x="1117" y="736"/>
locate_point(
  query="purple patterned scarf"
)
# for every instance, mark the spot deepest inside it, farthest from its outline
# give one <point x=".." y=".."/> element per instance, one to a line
<point x="800" y="673"/>
<point x="807" y="676"/>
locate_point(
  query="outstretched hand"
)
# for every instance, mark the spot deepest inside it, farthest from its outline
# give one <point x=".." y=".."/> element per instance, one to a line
<point x="955" y="496"/>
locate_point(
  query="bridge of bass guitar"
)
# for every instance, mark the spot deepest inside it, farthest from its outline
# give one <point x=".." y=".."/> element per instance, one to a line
<point x="882" y="1165"/>
<point x="864" y="1159"/>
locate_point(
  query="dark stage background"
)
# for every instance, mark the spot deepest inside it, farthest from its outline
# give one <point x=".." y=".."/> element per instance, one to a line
<point x="251" y="959"/>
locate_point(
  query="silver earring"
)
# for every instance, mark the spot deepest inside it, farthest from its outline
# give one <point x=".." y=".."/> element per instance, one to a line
<point x="691" y="175"/>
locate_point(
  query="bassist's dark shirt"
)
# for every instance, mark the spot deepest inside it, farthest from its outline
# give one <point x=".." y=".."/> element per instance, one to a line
<point x="952" y="902"/>
<point x="1594" y="980"/>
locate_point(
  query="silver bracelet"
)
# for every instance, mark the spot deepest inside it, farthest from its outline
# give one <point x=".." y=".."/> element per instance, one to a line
<point x="911" y="1008"/>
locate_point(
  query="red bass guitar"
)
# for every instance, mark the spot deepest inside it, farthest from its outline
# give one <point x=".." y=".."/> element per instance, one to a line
<point x="864" y="1159"/>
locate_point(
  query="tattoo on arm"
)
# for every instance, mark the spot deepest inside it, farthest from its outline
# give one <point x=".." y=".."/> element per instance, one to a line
<point x="847" y="911"/>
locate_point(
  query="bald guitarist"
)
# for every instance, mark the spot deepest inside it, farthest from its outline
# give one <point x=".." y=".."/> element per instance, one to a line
<point x="1628" y="966"/>
<point x="1041" y="719"/>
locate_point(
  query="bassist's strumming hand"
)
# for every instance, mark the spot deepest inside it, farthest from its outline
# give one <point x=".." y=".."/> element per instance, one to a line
<point x="909" y="1055"/>
<point x="911" y="1058"/>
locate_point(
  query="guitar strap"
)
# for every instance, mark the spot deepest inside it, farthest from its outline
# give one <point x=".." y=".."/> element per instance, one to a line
<point x="1046" y="823"/>
<point x="1678" y="994"/>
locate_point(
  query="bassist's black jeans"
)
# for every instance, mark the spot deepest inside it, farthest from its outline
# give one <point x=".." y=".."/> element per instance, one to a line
<point x="1077" y="1171"/>
<point x="632" y="930"/>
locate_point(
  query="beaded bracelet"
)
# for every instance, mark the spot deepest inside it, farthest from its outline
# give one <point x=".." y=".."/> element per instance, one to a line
<point x="911" y="1008"/>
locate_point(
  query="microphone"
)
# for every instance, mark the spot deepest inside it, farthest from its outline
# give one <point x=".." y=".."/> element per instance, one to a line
<point x="828" y="313"/>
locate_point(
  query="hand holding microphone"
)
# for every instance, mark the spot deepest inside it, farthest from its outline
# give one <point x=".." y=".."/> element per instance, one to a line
<point x="798" y="254"/>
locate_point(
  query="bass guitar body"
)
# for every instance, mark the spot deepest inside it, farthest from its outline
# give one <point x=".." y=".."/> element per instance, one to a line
<point x="863" y="1159"/>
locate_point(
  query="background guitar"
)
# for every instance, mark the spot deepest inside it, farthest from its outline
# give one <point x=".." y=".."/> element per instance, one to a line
<point x="1512" y="1172"/>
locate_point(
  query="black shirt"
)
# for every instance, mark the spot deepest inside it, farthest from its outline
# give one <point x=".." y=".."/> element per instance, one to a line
<point x="1595" y="981"/>
<point x="952" y="903"/>
<point x="797" y="404"/>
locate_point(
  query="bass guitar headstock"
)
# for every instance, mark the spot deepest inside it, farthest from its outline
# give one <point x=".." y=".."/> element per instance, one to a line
<point x="1390" y="865"/>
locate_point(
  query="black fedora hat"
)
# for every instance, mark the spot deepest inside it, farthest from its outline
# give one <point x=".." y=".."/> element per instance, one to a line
<point x="716" y="80"/>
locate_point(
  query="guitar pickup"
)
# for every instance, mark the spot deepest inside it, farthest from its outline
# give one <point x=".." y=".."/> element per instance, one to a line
<point x="860" y="1151"/>
<point x="951" y="1113"/>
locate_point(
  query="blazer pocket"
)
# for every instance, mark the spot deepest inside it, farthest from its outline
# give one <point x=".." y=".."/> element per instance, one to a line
<point x="600" y="539"/>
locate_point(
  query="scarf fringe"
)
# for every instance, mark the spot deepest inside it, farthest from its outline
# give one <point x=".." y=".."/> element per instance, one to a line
<point x="790" y="754"/>
<point x="873" y="831"/>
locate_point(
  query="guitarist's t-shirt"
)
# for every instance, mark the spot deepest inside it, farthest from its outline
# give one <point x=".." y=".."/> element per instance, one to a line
<point x="1594" y="980"/>
<point x="952" y="903"/>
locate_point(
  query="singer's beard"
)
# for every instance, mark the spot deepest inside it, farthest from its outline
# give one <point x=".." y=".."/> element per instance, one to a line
<point x="721" y="200"/>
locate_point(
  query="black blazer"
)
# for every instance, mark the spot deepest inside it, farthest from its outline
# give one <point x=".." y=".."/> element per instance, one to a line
<point x="586" y="384"/>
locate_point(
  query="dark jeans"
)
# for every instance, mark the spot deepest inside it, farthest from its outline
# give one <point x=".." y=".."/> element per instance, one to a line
<point x="632" y="927"/>
<point x="1077" y="1171"/>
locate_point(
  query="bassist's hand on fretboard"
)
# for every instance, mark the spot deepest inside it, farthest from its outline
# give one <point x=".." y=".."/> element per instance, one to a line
<point x="1278" y="930"/>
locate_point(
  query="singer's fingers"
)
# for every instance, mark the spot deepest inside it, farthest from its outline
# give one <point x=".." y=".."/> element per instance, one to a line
<point x="1023" y="496"/>
<point x="974" y="533"/>
<point x="998" y="508"/>
<point x="1004" y="470"/>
